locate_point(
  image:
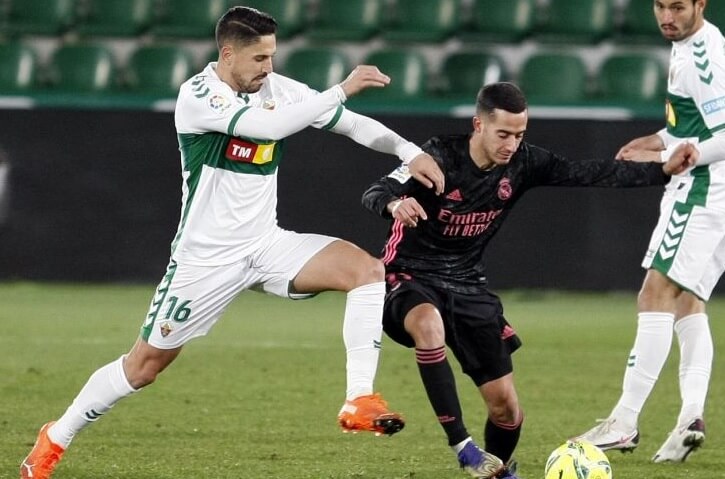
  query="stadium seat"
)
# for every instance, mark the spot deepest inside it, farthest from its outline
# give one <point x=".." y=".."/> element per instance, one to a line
<point x="639" y="24"/>
<point x="39" y="17"/>
<point x="158" y="70"/>
<point x="464" y="73"/>
<point x="18" y="68"/>
<point x="114" y="18"/>
<point x="494" y="20"/>
<point x="422" y="21"/>
<point x="319" y="68"/>
<point x="188" y="18"/>
<point x="406" y="68"/>
<point x="289" y="14"/>
<point x="350" y="20"/>
<point x="552" y="78"/>
<point x="715" y="13"/>
<point x="632" y="77"/>
<point x="85" y="68"/>
<point x="581" y="21"/>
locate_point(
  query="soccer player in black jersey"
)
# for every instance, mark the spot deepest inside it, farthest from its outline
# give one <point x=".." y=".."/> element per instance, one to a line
<point x="434" y="258"/>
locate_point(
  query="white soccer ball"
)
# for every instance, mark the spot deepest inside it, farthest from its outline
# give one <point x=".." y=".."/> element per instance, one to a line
<point x="577" y="460"/>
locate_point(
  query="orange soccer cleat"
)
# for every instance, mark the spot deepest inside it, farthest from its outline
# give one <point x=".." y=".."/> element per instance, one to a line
<point x="42" y="458"/>
<point x="369" y="413"/>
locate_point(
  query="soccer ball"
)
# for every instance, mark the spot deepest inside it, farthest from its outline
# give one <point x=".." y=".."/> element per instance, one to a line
<point x="577" y="460"/>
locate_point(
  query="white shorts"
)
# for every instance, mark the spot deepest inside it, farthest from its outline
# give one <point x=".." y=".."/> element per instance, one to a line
<point x="190" y="299"/>
<point x="688" y="243"/>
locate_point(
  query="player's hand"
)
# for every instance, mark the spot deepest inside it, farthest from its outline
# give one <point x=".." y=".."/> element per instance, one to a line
<point x="649" y="142"/>
<point x="637" y="155"/>
<point x="685" y="156"/>
<point x="425" y="169"/>
<point x="408" y="211"/>
<point x="362" y="77"/>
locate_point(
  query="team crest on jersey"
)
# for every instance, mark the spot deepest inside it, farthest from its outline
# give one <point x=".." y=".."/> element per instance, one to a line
<point x="269" y="104"/>
<point x="504" y="189"/>
<point x="218" y="103"/>
<point x="401" y="174"/>
<point x="165" y="329"/>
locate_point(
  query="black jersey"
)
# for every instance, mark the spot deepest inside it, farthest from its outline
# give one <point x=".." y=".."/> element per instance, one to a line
<point x="447" y="250"/>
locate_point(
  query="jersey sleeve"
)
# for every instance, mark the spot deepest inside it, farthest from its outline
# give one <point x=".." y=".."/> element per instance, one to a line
<point x="397" y="184"/>
<point x="374" y="135"/>
<point x="551" y="169"/>
<point x="708" y="80"/>
<point x="219" y="111"/>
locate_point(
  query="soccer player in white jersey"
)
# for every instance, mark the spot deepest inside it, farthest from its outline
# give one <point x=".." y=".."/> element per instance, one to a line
<point x="231" y="120"/>
<point x="686" y="254"/>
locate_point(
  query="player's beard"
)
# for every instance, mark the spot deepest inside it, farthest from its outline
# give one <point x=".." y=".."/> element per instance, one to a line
<point x="685" y="31"/>
<point x="251" y="86"/>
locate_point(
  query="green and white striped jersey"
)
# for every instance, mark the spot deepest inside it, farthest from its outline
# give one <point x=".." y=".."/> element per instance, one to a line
<point x="231" y="147"/>
<point x="696" y="85"/>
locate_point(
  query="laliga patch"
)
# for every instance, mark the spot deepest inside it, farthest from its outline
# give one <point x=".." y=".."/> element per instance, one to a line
<point x="218" y="103"/>
<point x="401" y="174"/>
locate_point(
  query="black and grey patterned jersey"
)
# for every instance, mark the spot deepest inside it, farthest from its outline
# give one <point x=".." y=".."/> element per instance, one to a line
<point x="447" y="250"/>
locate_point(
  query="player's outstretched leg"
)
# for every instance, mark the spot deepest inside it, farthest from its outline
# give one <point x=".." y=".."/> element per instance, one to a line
<point x="369" y="413"/>
<point x="43" y="458"/>
<point x="481" y="464"/>
<point x="610" y="434"/>
<point x="681" y="442"/>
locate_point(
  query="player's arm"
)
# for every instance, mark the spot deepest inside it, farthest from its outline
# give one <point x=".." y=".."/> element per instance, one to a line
<point x="216" y="111"/>
<point x="645" y="148"/>
<point x="392" y="197"/>
<point x="711" y="150"/>
<point x="374" y="135"/>
<point x="551" y="169"/>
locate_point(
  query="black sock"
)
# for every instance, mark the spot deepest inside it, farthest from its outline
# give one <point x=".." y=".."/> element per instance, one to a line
<point x="501" y="439"/>
<point x="440" y="385"/>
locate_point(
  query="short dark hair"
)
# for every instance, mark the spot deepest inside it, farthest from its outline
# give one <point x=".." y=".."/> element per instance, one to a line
<point x="244" y="25"/>
<point x="501" y="95"/>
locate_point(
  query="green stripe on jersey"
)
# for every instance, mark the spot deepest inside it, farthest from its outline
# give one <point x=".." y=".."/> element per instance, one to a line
<point x="697" y="196"/>
<point x="159" y="297"/>
<point x="684" y="119"/>
<point x="338" y="113"/>
<point x="218" y="150"/>
<point x="667" y="250"/>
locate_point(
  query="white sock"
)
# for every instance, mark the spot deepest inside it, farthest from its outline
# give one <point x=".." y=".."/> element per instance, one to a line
<point x="362" y="329"/>
<point x="649" y="353"/>
<point x="459" y="447"/>
<point x="104" y="388"/>
<point x="696" y="352"/>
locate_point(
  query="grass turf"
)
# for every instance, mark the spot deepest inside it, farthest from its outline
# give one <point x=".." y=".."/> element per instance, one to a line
<point x="258" y="397"/>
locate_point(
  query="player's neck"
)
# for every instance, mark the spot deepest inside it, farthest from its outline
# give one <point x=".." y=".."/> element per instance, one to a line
<point x="480" y="160"/>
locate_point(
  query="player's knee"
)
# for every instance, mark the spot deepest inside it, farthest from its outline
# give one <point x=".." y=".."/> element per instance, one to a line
<point x="141" y="377"/>
<point x="658" y="293"/>
<point x="505" y="411"/>
<point x="371" y="270"/>
<point x="426" y="332"/>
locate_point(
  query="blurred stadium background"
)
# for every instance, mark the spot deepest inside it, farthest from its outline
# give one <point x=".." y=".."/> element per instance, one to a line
<point x="90" y="193"/>
<point x="89" y="182"/>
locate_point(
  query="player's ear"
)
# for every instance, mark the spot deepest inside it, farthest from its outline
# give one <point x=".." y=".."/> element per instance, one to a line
<point x="477" y="124"/>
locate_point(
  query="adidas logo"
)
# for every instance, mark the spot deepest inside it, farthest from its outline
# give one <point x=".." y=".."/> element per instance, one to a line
<point x="455" y="195"/>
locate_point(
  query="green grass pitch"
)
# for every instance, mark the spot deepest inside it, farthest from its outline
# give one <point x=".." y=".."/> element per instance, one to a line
<point x="258" y="397"/>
